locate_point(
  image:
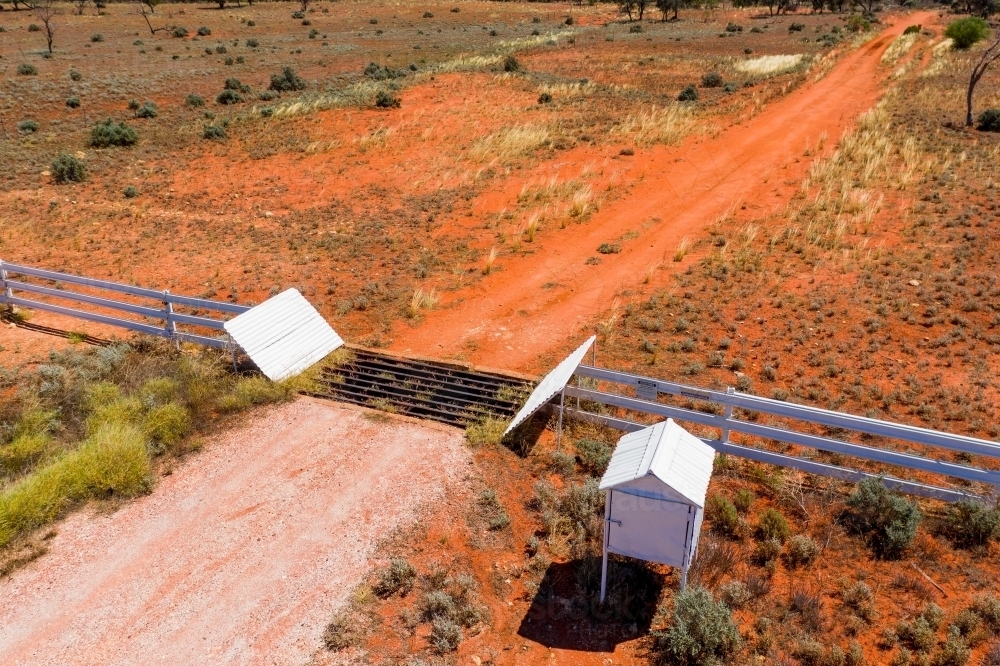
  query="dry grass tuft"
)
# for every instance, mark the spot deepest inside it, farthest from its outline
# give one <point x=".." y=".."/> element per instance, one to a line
<point x="659" y="125"/>
<point x="770" y="65"/>
<point x="509" y="143"/>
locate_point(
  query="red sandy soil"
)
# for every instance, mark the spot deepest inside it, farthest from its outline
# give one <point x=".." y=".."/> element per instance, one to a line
<point x="511" y="317"/>
<point x="240" y="555"/>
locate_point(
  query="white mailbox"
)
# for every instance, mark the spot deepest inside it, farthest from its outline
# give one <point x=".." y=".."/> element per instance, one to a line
<point x="655" y="488"/>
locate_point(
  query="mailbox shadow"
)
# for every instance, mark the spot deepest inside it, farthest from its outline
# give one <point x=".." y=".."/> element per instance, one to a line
<point x="566" y="612"/>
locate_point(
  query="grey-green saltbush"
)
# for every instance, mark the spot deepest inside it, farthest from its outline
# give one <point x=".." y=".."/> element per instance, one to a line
<point x="703" y="631"/>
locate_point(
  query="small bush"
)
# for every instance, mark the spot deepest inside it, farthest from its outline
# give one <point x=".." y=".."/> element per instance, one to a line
<point x="492" y="510"/>
<point x="194" y="101"/>
<point x="445" y="634"/>
<point x="228" y="96"/>
<point x="734" y="594"/>
<point x="970" y="524"/>
<point x="989" y="120"/>
<point x="428" y="15"/>
<point x="288" y="80"/>
<point x="25" y="69"/>
<point x="386" y="100"/>
<point x="75" y="75"/>
<point x="220" y="49"/>
<point x="97" y="37"/>
<point x="68" y="169"/>
<point x="251" y="391"/>
<point x="510" y="64"/>
<point x="912" y="30"/>
<point x="398" y="577"/>
<point x="147" y="110"/>
<point x="887" y="521"/>
<point x="987" y="606"/>
<point x="131" y="192"/>
<point x="765" y="552"/>
<point x="214" y="133"/>
<point x="109" y="133"/>
<point x="796" y="27"/>
<point x="689" y="94"/>
<point x="711" y="80"/>
<point x="73" y="102"/>
<point x="729" y="88"/>
<point x="252" y="43"/>
<point x="167" y="424"/>
<point x="724" y="517"/>
<point x="772" y="525"/>
<point x="953" y="652"/>
<point x="609" y="248"/>
<point x="858" y="23"/>
<point x="733" y="27"/>
<point x="703" y="631"/>
<point x="179" y="32"/>
<point x="594" y="455"/>
<point x="635" y="29"/>
<point x="27" y="126"/>
<point x="545" y="98"/>
<point x="113" y="462"/>
<point x="967" y="31"/>
<point x="204" y="31"/>
<point x="743" y="500"/>
<point x="801" y="551"/>
<point x="298" y="15"/>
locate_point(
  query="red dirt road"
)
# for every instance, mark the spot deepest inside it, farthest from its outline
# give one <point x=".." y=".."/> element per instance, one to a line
<point x="512" y="317"/>
<point x="236" y="558"/>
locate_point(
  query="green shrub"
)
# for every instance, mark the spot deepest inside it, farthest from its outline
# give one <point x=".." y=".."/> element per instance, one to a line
<point x="68" y="169"/>
<point x="971" y="524"/>
<point x="232" y="83"/>
<point x="510" y="63"/>
<point x="194" y="101"/>
<point x="75" y="75"/>
<point x="109" y="133"/>
<point x="733" y="27"/>
<point x="858" y="23"/>
<point x="147" y="110"/>
<point x="729" y="88"/>
<point x="953" y="652"/>
<point x="179" y="32"/>
<point x="743" y="500"/>
<point x="204" y="31"/>
<point x="214" y="133"/>
<point x="131" y="192"/>
<point x="251" y="23"/>
<point x="689" y="94"/>
<point x="609" y="248"/>
<point x="711" y="80"/>
<point x="220" y="49"/>
<point x="987" y="606"/>
<point x="772" y="525"/>
<point x="97" y="37"/>
<point x="112" y="462"/>
<point x="723" y="514"/>
<point x="251" y="391"/>
<point x="252" y="43"/>
<point x="594" y="455"/>
<point x="34" y="27"/>
<point x="73" y="102"/>
<point x="545" y="98"/>
<point x="989" y="120"/>
<point x="445" y="635"/>
<point x="25" y="69"/>
<point x="887" y="521"/>
<point x="229" y="96"/>
<point x="967" y="31"/>
<point x="287" y="81"/>
<point x="916" y="635"/>
<point x="487" y="430"/>
<point x="766" y="552"/>
<point x="397" y="577"/>
<point x="796" y="27"/>
<point x="27" y="126"/>
<point x="801" y="551"/>
<point x="167" y="424"/>
<point x="386" y="100"/>
<point x="703" y="631"/>
<point x="912" y="30"/>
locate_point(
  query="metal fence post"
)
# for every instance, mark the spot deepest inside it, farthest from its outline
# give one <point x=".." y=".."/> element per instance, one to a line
<point x="7" y="291"/>
<point x="168" y="322"/>
<point x="728" y="415"/>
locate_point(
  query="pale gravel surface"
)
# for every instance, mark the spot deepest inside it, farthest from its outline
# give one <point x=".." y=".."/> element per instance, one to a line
<point x="239" y="556"/>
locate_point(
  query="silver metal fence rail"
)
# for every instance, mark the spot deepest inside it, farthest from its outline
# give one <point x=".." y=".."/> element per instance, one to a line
<point x="164" y="312"/>
<point x="648" y="390"/>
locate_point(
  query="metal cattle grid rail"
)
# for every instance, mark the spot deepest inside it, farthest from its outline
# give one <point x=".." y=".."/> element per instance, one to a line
<point x="429" y="390"/>
<point x="162" y="311"/>
<point x="648" y="390"/>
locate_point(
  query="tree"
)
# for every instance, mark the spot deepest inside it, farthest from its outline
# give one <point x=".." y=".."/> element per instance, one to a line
<point x="27" y="5"/>
<point x="668" y="6"/>
<point x="867" y="7"/>
<point x="627" y="7"/>
<point x="144" y="10"/>
<point x="46" y="11"/>
<point x="989" y="55"/>
<point x="304" y="4"/>
<point x="222" y="4"/>
<point x="640" y="6"/>
<point x="80" y="6"/>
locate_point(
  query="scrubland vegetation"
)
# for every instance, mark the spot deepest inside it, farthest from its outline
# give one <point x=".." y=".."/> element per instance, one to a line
<point x="101" y="424"/>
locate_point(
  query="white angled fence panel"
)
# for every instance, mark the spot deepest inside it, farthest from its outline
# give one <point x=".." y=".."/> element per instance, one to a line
<point x="284" y="335"/>
<point x="553" y="383"/>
